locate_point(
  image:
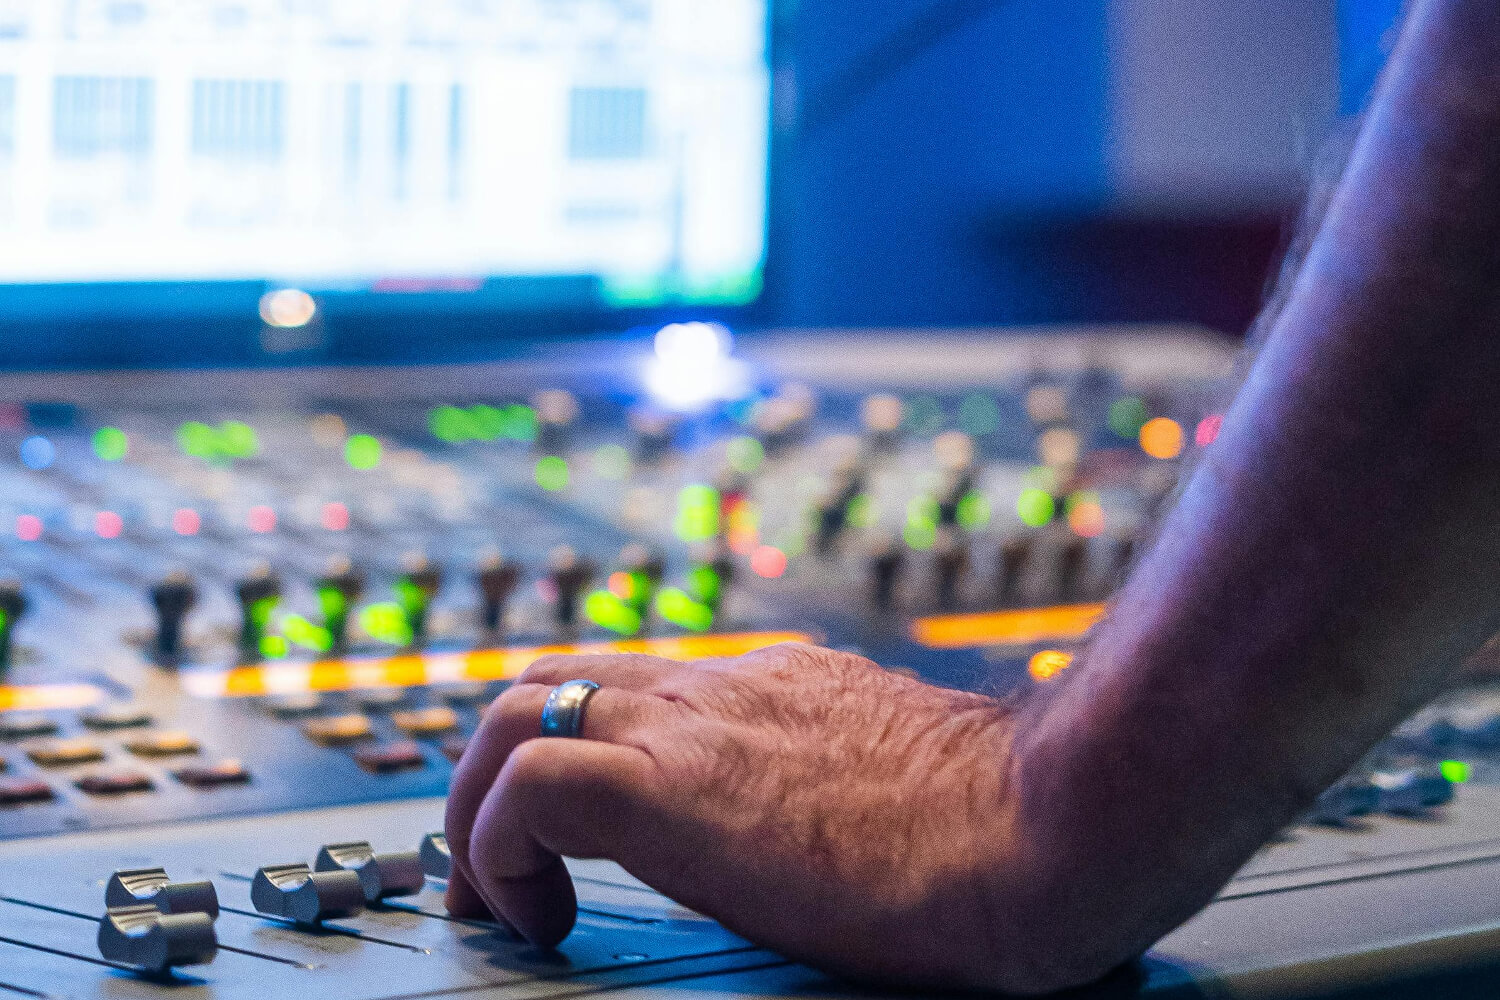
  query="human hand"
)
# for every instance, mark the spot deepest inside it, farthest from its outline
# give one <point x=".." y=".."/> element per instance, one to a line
<point x="809" y="800"/>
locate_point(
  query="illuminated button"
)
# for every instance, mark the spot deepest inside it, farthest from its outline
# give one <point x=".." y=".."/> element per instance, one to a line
<point x="61" y="753"/>
<point x="426" y="721"/>
<point x="24" y="725"/>
<point x="166" y="744"/>
<point x="20" y="791"/>
<point x="116" y="717"/>
<point x="388" y="758"/>
<point x="381" y="699"/>
<point x="337" y="730"/>
<point x="226" y="772"/>
<point x="294" y="706"/>
<point x="115" y="783"/>
<point x="454" y="747"/>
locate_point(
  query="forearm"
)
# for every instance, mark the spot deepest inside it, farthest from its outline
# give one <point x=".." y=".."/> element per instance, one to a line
<point x="1335" y="552"/>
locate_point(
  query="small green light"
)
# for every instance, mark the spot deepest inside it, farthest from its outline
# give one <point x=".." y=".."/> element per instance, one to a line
<point x="920" y="535"/>
<point x="681" y="610"/>
<point x="978" y="415"/>
<point x="111" y="444"/>
<point x="745" y="454"/>
<point x="861" y="511"/>
<point x="922" y="508"/>
<point x="238" y="440"/>
<point x="449" y="423"/>
<point x="197" y="439"/>
<point x="274" y="647"/>
<point x="697" y="513"/>
<point x="1035" y="507"/>
<point x="552" y="473"/>
<point x="612" y="461"/>
<point x="304" y="633"/>
<point x="705" y="584"/>
<point x="386" y="622"/>
<point x="362" y="451"/>
<point x="486" y="423"/>
<point x="518" y="423"/>
<point x="974" y="511"/>
<point x="1127" y="416"/>
<point x="608" y="611"/>
<point x="1456" y="771"/>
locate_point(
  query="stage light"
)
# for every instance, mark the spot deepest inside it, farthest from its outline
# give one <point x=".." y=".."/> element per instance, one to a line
<point x="692" y="367"/>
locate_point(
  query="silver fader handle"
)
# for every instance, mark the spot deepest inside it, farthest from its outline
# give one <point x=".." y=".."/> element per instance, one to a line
<point x="437" y="861"/>
<point x="296" y="892"/>
<point x="382" y="876"/>
<point x="151" y="886"/>
<point x="153" y="941"/>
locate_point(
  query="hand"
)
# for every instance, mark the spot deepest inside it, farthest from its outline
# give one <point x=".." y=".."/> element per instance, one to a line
<point x="844" y="815"/>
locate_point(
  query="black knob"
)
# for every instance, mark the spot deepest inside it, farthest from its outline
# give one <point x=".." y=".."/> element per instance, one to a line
<point x="950" y="558"/>
<point x="173" y="597"/>
<point x="1072" y="561"/>
<point x="339" y="589"/>
<point x="886" y="562"/>
<point x="418" y="584"/>
<point x="711" y="574"/>
<point x="1121" y="560"/>
<point x="497" y="579"/>
<point x="654" y="434"/>
<point x="1015" y="557"/>
<point x="645" y="568"/>
<point x="881" y="415"/>
<point x="13" y="605"/>
<point x="569" y="574"/>
<point x="259" y="593"/>
<point x="556" y="413"/>
<point x="833" y="511"/>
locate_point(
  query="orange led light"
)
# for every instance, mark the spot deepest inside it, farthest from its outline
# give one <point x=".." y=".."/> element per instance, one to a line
<point x="40" y="697"/>
<point x="1006" y="628"/>
<point x="416" y="670"/>
<point x="1162" y="438"/>
<point x="1048" y="664"/>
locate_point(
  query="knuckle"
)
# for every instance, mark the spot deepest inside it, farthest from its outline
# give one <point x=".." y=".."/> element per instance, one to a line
<point x="548" y="669"/>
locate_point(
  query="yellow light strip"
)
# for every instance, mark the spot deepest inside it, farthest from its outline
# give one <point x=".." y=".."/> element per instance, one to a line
<point x="411" y="670"/>
<point x="40" y="697"/>
<point x="1006" y="628"/>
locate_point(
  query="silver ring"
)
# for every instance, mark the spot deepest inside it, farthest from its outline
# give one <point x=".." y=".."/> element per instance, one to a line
<point x="562" y="715"/>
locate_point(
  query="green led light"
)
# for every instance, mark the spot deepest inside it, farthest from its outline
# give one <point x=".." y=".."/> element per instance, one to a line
<point x="410" y="598"/>
<point x="450" y="424"/>
<point x="681" y="610"/>
<point x="552" y="473"/>
<point x="238" y="440"/>
<point x="332" y="603"/>
<point x="608" y="611"/>
<point x="697" y="513"/>
<point x="304" y="633"/>
<point x="1456" y="771"/>
<point x="1127" y="416"/>
<point x="745" y="454"/>
<point x="861" y="511"/>
<point x="386" y="622"/>
<point x="920" y="535"/>
<point x="274" y="647"/>
<point x="705" y="584"/>
<point x="197" y="439"/>
<point x="518" y="423"/>
<point x="978" y="415"/>
<point x="111" y="444"/>
<point x="974" y="511"/>
<point x="922" y="508"/>
<point x="1035" y="507"/>
<point x="612" y="461"/>
<point x="362" y="451"/>
<point x="486" y="423"/>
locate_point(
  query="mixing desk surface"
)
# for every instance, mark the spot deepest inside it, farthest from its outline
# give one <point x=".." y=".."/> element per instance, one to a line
<point x="253" y="617"/>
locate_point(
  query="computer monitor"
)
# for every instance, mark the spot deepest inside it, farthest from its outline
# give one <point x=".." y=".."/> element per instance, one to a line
<point x="530" y="154"/>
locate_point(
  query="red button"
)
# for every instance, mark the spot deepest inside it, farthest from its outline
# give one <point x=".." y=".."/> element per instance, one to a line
<point x="227" y="772"/>
<point x="18" y="791"/>
<point x="387" y="758"/>
<point x="115" y="783"/>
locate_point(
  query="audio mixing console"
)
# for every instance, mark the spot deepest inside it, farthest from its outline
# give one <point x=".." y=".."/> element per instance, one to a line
<point x="252" y="617"/>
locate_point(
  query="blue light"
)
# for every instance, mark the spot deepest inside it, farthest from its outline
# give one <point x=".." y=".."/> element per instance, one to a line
<point x="37" y="452"/>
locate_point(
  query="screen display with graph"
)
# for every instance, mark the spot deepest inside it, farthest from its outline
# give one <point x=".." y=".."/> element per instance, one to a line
<point x="403" y="145"/>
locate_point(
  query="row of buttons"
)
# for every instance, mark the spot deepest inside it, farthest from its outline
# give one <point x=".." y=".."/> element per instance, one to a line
<point x="27" y="791"/>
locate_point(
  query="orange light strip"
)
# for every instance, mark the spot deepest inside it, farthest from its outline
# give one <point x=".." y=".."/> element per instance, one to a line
<point x="40" y="697"/>
<point x="411" y="670"/>
<point x="1006" y="628"/>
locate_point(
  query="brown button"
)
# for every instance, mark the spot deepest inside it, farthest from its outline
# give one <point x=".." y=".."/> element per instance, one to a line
<point x="23" y="725"/>
<point x="337" y="730"/>
<point x="390" y="757"/>
<point x="19" y="791"/>
<point x="165" y="744"/>
<point x="116" y="717"/>
<point x="226" y="772"/>
<point x="61" y="753"/>
<point x="115" y="783"/>
<point x="454" y="747"/>
<point x="426" y="721"/>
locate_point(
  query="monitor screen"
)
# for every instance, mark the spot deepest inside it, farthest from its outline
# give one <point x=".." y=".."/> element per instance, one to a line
<point x="388" y="145"/>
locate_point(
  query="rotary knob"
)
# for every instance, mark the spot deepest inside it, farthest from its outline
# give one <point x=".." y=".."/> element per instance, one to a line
<point x="172" y="599"/>
<point x="296" y="892"/>
<point x="383" y="876"/>
<point x="152" y="887"/>
<point x="154" y="941"/>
